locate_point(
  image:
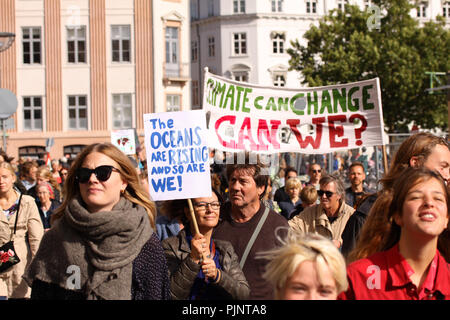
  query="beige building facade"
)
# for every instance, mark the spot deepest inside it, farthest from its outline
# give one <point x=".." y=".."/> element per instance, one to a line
<point x="83" y="68"/>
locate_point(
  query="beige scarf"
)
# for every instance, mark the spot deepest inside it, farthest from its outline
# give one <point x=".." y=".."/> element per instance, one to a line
<point x="101" y="246"/>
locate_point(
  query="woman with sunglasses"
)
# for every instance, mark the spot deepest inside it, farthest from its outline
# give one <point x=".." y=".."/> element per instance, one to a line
<point x="101" y="244"/>
<point x="202" y="268"/>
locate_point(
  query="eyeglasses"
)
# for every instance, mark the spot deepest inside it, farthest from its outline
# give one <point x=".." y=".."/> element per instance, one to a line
<point x="102" y="173"/>
<point x="202" y="205"/>
<point x="328" y="194"/>
<point x="317" y="171"/>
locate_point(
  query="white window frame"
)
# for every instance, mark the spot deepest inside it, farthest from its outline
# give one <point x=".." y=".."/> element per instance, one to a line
<point x="36" y="124"/>
<point x="239" y="43"/>
<point x="278" y="41"/>
<point x="120" y="110"/>
<point x="311" y="6"/>
<point x="238" y="6"/>
<point x="211" y="47"/>
<point x="279" y="80"/>
<point x="194" y="51"/>
<point x="341" y="4"/>
<point x="446" y="9"/>
<point x="78" y="38"/>
<point x="77" y="107"/>
<point x="170" y="103"/>
<point x="422" y="9"/>
<point x="276" y="5"/>
<point x="32" y="41"/>
<point x="122" y="36"/>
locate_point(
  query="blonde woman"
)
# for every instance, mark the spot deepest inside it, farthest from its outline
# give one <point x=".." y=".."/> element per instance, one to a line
<point x="293" y="187"/>
<point x="306" y="267"/>
<point x="104" y="231"/>
<point x="28" y="233"/>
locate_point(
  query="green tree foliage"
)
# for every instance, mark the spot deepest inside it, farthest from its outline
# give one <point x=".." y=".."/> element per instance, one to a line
<point x="342" y="49"/>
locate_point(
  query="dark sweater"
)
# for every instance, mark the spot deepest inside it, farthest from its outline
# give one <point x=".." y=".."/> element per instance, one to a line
<point x="239" y="235"/>
<point x="150" y="278"/>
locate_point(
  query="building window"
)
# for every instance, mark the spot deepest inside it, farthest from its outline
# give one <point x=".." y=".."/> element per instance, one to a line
<point x="173" y="102"/>
<point x="422" y="10"/>
<point x="241" y="76"/>
<point x="211" y="47"/>
<point x="194" y="10"/>
<point x="367" y="4"/>
<point x="280" y="81"/>
<point x="341" y="4"/>
<point x="311" y="6"/>
<point x="33" y="152"/>
<point x="238" y="6"/>
<point x="240" y="43"/>
<point x="121" y="38"/>
<point x="210" y="8"/>
<point x="277" y="5"/>
<point x="32" y="113"/>
<point x="76" y="44"/>
<point x="31" y="41"/>
<point x="77" y="112"/>
<point x="194" y="51"/>
<point x="73" y="150"/>
<point x="278" y="42"/>
<point x="195" y="94"/>
<point x="122" y="111"/>
<point x="172" y="52"/>
<point x="446" y="9"/>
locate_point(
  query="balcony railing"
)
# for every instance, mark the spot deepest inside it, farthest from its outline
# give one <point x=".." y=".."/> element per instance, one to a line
<point x="176" y="72"/>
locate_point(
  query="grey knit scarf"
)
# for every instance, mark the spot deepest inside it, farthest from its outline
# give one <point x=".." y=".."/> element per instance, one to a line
<point x="101" y="246"/>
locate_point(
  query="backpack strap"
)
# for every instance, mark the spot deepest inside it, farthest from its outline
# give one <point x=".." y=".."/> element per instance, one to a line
<point x="253" y="238"/>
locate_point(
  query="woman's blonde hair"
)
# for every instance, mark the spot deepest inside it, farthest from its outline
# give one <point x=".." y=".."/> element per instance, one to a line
<point x="9" y="167"/>
<point x="297" y="248"/>
<point x="293" y="183"/>
<point x="134" y="191"/>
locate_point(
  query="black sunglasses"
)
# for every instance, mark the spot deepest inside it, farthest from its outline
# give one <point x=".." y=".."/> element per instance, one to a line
<point x="317" y="171"/>
<point x="102" y="173"/>
<point x="328" y="194"/>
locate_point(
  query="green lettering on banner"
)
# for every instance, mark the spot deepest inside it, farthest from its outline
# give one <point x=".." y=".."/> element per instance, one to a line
<point x="230" y="95"/>
<point x="340" y="97"/>
<point x="258" y="106"/>
<point x="314" y="102"/>
<point x="271" y="104"/>
<point x="245" y="100"/>
<point x="292" y="104"/>
<point x="326" y="102"/>
<point x="221" y="90"/>
<point x="283" y="104"/>
<point x="366" y="96"/>
<point x="238" y="99"/>
<point x="210" y="84"/>
<point x="353" y="107"/>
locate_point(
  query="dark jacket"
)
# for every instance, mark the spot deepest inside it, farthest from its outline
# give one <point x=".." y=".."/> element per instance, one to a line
<point x="183" y="271"/>
<point x="150" y="280"/>
<point x="355" y="223"/>
<point x="45" y="218"/>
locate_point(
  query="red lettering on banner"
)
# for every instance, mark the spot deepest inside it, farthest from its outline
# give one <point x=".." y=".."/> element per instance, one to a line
<point x="232" y="119"/>
<point x="308" y="139"/>
<point x="263" y="130"/>
<point x="337" y="131"/>
<point x="245" y="133"/>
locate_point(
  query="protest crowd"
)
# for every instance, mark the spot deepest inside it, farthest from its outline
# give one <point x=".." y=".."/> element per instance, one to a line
<point x="295" y="230"/>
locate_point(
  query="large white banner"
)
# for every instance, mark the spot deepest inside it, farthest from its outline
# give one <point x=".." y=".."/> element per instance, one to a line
<point x="243" y="116"/>
<point x="177" y="155"/>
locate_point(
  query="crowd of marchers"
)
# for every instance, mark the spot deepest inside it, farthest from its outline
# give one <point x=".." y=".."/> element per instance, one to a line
<point x="88" y="230"/>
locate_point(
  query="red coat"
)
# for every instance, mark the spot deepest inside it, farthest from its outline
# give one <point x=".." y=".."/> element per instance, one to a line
<point x="385" y="276"/>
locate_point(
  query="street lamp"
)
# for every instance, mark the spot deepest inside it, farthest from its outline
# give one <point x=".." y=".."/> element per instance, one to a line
<point x="6" y="40"/>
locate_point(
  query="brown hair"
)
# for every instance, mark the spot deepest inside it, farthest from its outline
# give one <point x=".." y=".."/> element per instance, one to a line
<point x="246" y="162"/>
<point x="380" y="232"/>
<point x="309" y="195"/>
<point x="134" y="191"/>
